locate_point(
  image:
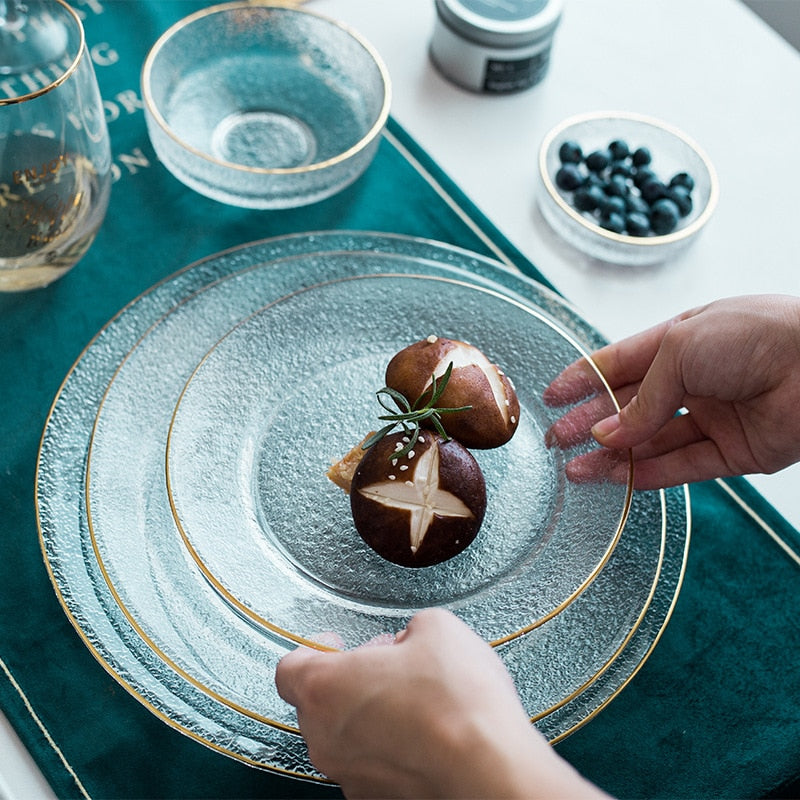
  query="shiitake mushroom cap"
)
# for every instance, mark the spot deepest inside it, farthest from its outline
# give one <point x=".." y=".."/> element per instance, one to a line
<point x="423" y="508"/>
<point x="475" y="381"/>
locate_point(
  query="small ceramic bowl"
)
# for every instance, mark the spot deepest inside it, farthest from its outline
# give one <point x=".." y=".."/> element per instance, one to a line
<point x="264" y="105"/>
<point x="672" y="152"/>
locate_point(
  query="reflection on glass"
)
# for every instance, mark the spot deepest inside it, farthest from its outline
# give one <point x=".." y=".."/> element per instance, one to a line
<point x="55" y="158"/>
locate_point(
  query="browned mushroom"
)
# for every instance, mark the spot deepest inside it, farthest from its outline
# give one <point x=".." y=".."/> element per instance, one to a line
<point x="475" y="381"/>
<point x="420" y="508"/>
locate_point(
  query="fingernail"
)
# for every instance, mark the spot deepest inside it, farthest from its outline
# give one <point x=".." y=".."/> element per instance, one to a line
<point x="607" y="426"/>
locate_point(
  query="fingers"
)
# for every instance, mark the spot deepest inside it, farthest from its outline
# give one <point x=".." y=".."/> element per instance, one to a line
<point x="296" y="667"/>
<point x="577" y="381"/>
<point x="678" y="432"/>
<point x="700" y="461"/>
<point x="575" y="426"/>
<point x="678" y="454"/>
<point x="629" y="360"/>
<point x="644" y="371"/>
<point x="292" y="669"/>
<point x="599" y="466"/>
<point x="621" y="363"/>
<point x="661" y="394"/>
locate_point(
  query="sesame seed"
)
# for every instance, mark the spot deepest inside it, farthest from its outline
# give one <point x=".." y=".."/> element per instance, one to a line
<point x="392" y="477"/>
<point x="406" y="439"/>
<point x="411" y="454"/>
<point x="403" y="467"/>
<point x="398" y="446"/>
<point x="394" y="462"/>
<point x="409" y="483"/>
<point x="431" y="339"/>
<point x="421" y="439"/>
<point x="508" y="402"/>
<point x="513" y="419"/>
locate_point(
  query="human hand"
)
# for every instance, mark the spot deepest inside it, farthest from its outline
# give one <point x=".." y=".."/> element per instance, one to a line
<point x="733" y="365"/>
<point x="433" y="715"/>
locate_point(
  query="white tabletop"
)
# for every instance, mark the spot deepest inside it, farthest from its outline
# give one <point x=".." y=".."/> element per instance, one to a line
<point x="710" y="67"/>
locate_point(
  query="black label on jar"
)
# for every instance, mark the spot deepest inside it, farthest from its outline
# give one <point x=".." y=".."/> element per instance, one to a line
<point x="513" y="76"/>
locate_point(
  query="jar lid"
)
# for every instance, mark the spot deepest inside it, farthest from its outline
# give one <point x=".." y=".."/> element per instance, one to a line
<point x="512" y="23"/>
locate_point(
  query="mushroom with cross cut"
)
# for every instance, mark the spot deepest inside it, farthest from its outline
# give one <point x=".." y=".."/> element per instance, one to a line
<point x="422" y="507"/>
<point x="493" y="413"/>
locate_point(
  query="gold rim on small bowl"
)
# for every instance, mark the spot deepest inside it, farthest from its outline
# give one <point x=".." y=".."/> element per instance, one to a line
<point x="611" y="238"/>
<point x="149" y="101"/>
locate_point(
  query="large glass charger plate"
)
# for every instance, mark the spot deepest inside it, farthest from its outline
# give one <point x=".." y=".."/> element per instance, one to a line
<point x="291" y="388"/>
<point x="122" y="647"/>
<point x="152" y="575"/>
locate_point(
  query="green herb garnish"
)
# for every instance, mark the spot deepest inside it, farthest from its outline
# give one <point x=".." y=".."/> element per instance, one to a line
<point x="411" y="415"/>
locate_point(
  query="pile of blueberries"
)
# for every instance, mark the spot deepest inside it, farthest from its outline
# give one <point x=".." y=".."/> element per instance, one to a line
<point x="620" y="190"/>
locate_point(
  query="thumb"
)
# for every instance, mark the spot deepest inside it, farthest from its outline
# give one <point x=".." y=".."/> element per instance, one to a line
<point x="660" y="395"/>
<point x="291" y="672"/>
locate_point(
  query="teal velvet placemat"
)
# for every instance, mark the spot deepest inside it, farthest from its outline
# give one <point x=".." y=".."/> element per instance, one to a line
<point x="714" y="710"/>
<point x="712" y="713"/>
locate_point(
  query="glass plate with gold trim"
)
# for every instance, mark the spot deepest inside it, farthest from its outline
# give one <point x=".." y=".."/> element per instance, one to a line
<point x="291" y="388"/>
<point x="121" y="644"/>
<point x="153" y="576"/>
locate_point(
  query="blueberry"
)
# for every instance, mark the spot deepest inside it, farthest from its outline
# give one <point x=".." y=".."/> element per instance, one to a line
<point x="637" y="224"/>
<point x="619" y="149"/>
<point x="593" y="179"/>
<point x="682" y="197"/>
<point x="588" y="198"/>
<point x="683" y="179"/>
<point x="598" y="160"/>
<point x="635" y="204"/>
<point x="623" y="168"/>
<point x="641" y="157"/>
<point x="613" y="222"/>
<point x="652" y="191"/>
<point x="617" y="186"/>
<point x="664" y="216"/>
<point x="570" y="152"/>
<point x="569" y="177"/>
<point x="612" y="205"/>
<point x="642" y="176"/>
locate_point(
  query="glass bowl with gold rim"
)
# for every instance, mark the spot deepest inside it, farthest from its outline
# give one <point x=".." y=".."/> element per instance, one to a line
<point x="264" y="105"/>
<point x="672" y="153"/>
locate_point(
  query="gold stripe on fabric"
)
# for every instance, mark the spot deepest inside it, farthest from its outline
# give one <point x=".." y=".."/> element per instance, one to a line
<point x="768" y="529"/>
<point x="39" y="724"/>
<point x="440" y="190"/>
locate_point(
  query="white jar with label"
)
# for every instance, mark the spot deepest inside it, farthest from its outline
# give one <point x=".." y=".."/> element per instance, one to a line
<point x="492" y="46"/>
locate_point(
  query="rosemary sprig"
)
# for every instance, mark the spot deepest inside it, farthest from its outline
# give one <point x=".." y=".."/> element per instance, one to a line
<point x="412" y="415"/>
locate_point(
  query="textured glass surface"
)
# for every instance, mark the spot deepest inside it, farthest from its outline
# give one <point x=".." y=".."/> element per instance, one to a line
<point x="672" y="152"/>
<point x="221" y="119"/>
<point x="674" y="504"/>
<point x="142" y="554"/>
<point x="292" y="389"/>
<point x="549" y="665"/>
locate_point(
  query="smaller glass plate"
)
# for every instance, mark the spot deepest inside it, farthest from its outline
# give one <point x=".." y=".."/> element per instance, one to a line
<point x="292" y="388"/>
